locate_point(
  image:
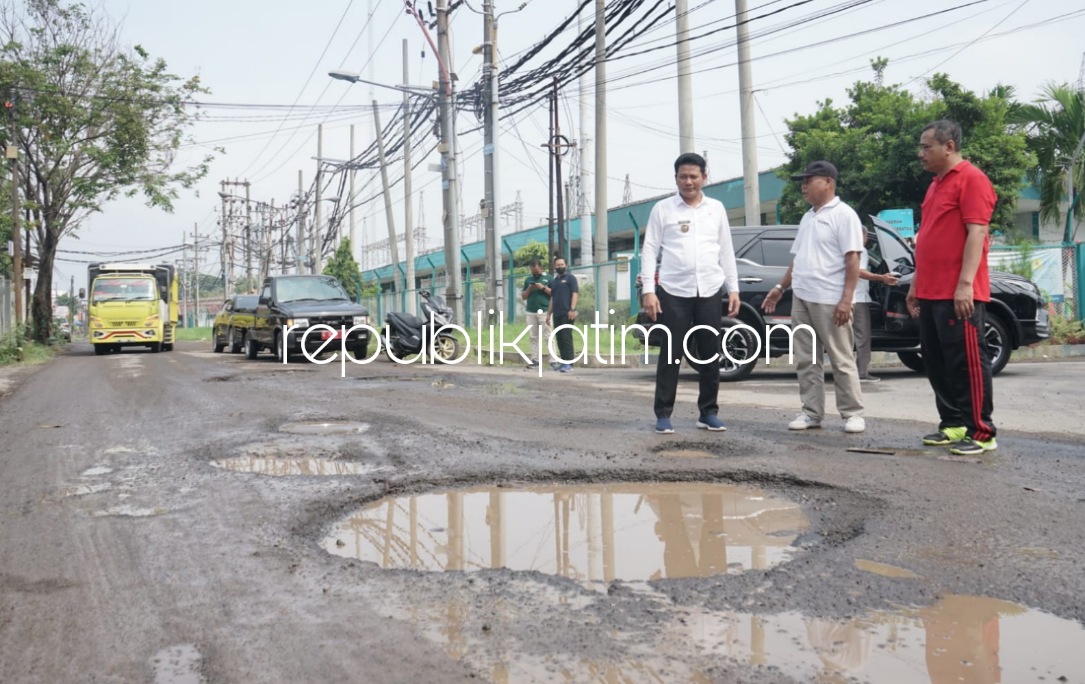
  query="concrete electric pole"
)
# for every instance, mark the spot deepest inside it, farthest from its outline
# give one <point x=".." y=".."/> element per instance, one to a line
<point x="685" y="78"/>
<point x="490" y="148"/>
<point x="752" y="197"/>
<point x="447" y="148"/>
<point x="408" y="219"/>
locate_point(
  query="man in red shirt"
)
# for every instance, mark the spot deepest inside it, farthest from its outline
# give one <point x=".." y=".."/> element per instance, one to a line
<point x="950" y="291"/>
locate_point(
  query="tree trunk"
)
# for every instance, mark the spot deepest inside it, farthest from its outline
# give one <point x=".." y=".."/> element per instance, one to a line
<point x="41" y="307"/>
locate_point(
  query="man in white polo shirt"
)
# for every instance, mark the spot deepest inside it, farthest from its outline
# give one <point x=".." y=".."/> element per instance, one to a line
<point x="687" y="243"/>
<point x="824" y="271"/>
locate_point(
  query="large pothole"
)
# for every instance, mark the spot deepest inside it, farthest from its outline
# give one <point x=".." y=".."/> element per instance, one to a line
<point x="589" y="533"/>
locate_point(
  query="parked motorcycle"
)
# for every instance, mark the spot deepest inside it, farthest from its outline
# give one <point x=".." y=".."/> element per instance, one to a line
<point x="403" y="332"/>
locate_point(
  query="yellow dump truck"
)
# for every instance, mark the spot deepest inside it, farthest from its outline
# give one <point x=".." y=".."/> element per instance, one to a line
<point x="132" y="305"/>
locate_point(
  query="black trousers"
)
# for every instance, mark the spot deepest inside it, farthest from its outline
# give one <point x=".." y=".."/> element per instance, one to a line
<point x="958" y="366"/>
<point x="564" y="338"/>
<point x="679" y="315"/>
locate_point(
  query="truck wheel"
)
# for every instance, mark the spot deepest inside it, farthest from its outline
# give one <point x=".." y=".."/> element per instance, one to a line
<point x="233" y="342"/>
<point x="741" y="346"/>
<point x="280" y="348"/>
<point x="998" y="344"/>
<point x="912" y="360"/>
<point x="216" y="346"/>
<point x="100" y="350"/>
<point x="156" y="347"/>
<point x="251" y="350"/>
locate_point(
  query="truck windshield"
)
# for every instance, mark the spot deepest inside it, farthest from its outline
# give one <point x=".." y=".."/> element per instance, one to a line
<point x="317" y="289"/>
<point x="123" y="290"/>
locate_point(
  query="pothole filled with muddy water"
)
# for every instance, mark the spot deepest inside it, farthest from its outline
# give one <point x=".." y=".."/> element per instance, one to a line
<point x="591" y="533"/>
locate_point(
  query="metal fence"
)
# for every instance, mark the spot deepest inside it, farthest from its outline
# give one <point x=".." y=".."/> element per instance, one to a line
<point x="1057" y="269"/>
<point x="618" y="295"/>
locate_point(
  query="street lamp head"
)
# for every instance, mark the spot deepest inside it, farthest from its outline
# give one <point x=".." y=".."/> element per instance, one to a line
<point x="344" y="75"/>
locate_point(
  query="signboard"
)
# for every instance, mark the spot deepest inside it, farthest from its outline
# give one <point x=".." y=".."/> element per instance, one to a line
<point x="902" y="221"/>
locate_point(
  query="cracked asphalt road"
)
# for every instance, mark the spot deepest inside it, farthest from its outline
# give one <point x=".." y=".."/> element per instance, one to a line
<point x="128" y="556"/>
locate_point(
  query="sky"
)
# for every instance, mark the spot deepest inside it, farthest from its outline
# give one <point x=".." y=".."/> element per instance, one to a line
<point x="266" y="64"/>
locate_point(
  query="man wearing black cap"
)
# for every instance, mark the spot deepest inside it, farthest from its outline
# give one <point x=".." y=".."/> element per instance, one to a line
<point x="824" y="270"/>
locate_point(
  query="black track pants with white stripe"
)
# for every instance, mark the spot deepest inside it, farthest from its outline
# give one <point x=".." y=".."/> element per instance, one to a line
<point x="958" y="366"/>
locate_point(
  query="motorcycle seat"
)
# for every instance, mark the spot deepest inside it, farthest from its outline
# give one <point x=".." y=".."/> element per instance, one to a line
<point x="404" y="321"/>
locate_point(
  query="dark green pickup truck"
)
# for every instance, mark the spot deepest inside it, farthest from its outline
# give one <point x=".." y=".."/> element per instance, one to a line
<point x="289" y="305"/>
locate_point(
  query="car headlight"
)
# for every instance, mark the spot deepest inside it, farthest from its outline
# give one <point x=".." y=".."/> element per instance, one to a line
<point x="361" y="320"/>
<point x="299" y="322"/>
<point x="96" y="322"/>
<point x="152" y="320"/>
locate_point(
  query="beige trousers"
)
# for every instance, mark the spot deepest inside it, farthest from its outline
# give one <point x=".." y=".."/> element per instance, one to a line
<point x="536" y="323"/>
<point x="838" y="342"/>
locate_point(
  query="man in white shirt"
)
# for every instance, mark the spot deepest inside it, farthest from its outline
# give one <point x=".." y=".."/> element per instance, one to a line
<point x="688" y="244"/>
<point x="825" y="270"/>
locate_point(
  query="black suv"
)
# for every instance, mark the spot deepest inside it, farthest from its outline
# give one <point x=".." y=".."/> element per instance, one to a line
<point x="1015" y="316"/>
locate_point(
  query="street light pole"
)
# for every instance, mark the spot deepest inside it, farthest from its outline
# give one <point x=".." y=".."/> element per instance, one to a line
<point x="449" y="191"/>
<point x="393" y="242"/>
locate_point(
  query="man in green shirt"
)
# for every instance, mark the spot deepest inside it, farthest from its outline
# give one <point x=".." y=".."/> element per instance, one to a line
<point x="536" y="295"/>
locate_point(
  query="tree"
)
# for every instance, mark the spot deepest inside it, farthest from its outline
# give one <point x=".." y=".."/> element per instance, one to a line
<point x="872" y="142"/>
<point x="1055" y="125"/>
<point x="345" y="269"/>
<point x="91" y="122"/>
<point x="531" y="251"/>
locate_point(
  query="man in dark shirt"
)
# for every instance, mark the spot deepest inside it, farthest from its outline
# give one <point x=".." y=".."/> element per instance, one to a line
<point x="564" y="293"/>
<point x="536" y="295"/>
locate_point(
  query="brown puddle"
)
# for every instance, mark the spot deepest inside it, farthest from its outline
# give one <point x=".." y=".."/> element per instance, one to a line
<point x="282" y="467"/>
<point x="590" y="533"/>
<point x="959" y="639"/>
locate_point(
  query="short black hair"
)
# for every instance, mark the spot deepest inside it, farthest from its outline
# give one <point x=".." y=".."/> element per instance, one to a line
<point x="536" y="262"/>
<point x="944" y="131"/>
<point x="691" y="159"/>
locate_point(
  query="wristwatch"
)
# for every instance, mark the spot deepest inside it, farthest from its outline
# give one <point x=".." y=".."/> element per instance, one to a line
<point x="780" y="287"/>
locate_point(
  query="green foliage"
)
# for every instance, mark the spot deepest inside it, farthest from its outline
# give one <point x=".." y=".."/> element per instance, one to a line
<point x="93" y="121"/>
<point x="202" y="334"/>
<point x="873" y="141"/>
<point x="531" y="251"/>
<point x="345" y="269"/>
<point x="1055" y="125"/>
<point x="585" y="304"/>
<point x="1066" y="331"/>
<point x="15" y="348"/>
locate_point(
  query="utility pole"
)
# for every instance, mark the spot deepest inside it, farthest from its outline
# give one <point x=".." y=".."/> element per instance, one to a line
<point x="248" y="237"/>
<point x="389" y="215"/>
<point x="685" y="79"/>
<point x="752" y="197"/>
<point x="557" y="148"/>
<point x="586" y="248"/>
<point x="317" y="243"/>
<point x="12" y="153"/>
<point x="184" y="282"/>
<point x="353" y="172"/>
<point x="551" y="251"/>
<point x="601" y="236"/>
<point x="227" y="247"/>
<point x="408" y="218"/>
<point x="196" y="258"/>
<point x="299" y="247"/>
<point x="492" y="210"/>
<point x="447" y="148"/>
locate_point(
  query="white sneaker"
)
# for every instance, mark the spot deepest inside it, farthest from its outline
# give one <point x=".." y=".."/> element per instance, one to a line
<point x="855" y="424"/>
<point x="803" y="422"/>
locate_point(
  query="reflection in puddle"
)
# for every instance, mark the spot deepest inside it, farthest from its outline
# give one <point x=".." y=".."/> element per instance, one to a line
<point x="591" y="533"/>
<point x="959" y="639"/>
<point x="281" y="467"/>
<point x="686" y="453"/>
<point x="323" y="428"/>
<point x="884" y="569"/>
